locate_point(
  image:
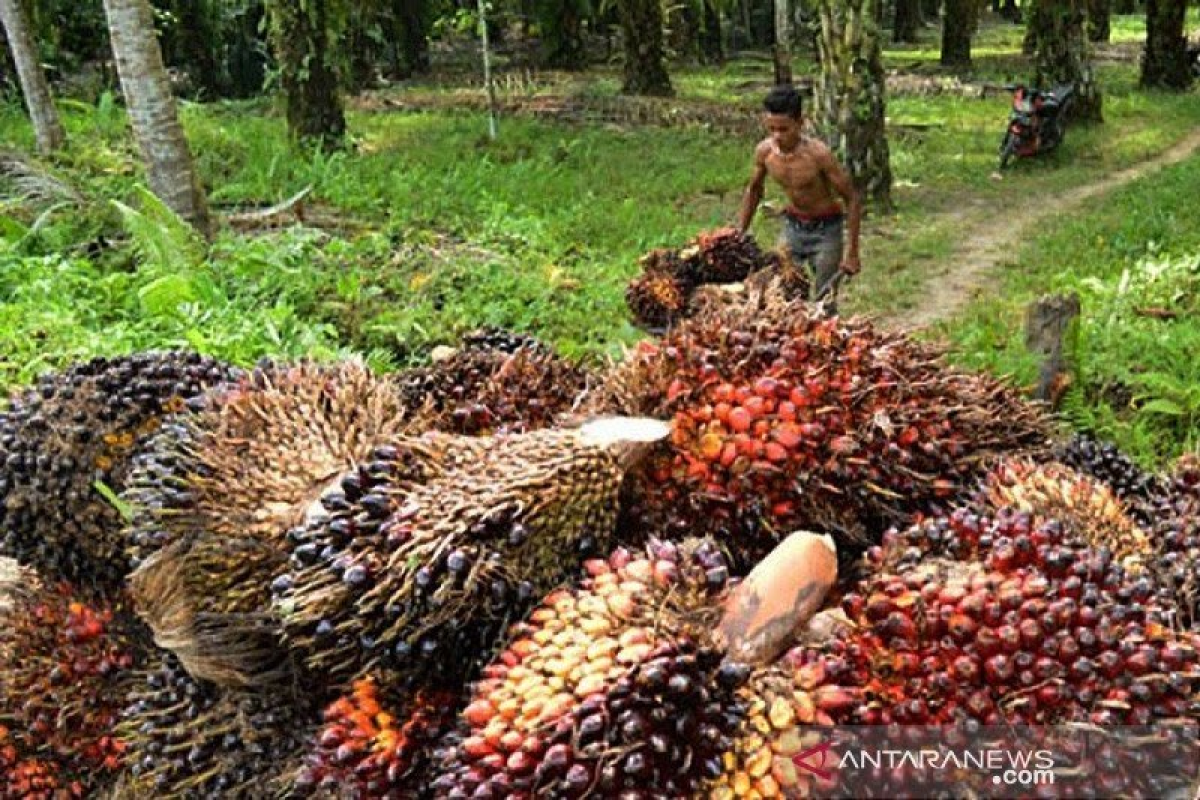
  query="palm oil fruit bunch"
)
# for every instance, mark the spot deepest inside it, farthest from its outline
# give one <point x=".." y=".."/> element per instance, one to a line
<point x="29" y="777"/>
<point x="371" y="745"/>
<point x="785" y="419"/>
<point x="658" y="298"/>
<point x="188" y="738"/>
<point x="1086" y="506"/>
<point x="780" y="718"/>
<point x="417" y="558"/>
<point x="1175" y="532"/>
<point x="611" y="687"/>
<point x="724" y="255"/>
<point x="207" y="599"/>
<point x="258" y="452"/>
<point x="495" y="382"/>
<point x="72" y="436"/>
<point x="1004" y="641"/>
<point x="1104" y="462"/>
<point x="65" y="662"/>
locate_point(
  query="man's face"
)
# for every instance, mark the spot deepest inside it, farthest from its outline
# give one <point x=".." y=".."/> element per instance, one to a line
<point x="784" y="130"/>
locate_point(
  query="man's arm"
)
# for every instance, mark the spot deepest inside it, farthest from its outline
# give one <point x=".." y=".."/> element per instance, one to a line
<point x="754" y="191"/>
<point x="845" y="187"/>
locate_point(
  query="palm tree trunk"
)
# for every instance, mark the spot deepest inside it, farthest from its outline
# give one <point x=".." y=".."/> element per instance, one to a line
<point x="783" y="42"/>
<point x="1165" y="59"/>
<point x="302" y="37"/>
<point x="1099" y="25"/>
<point x="1063" y="56"/>
<point x="169" y="167"/>
<point x="958" y="24"/>
<point x="642" y="30"/>
<point x="906" y="21"/>
<point x="850" y="106"/>
<point x="47" y="128"/>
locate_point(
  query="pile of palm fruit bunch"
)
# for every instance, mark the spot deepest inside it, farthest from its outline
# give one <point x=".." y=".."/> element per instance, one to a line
<point x="979" y="621"/>
<point x="376" y="743"/>
<point x="1105" y="463"/>
<point x="186" y="737"/>
<point x="1175" y="531"/>
<point x="64" y="666"/>
<point x="612" y="688"/>
<point x="414" y="562"/>
<point x="664" y="291"/>
<point x="495" y="381"/>
<point x="70" y="438"/>
<point x="783" y="418"/>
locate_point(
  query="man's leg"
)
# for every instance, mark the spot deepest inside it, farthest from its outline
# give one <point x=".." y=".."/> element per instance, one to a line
<point x="827" y="267"/>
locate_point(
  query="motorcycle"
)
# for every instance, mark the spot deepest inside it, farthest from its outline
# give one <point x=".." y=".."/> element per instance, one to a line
<point x="1037" y="121"/>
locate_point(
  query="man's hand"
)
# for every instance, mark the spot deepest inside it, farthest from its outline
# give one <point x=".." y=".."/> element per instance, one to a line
<point x="851" y="265"/>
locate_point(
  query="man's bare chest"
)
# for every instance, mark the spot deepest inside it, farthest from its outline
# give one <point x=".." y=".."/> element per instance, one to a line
<point x="796" y="172"/>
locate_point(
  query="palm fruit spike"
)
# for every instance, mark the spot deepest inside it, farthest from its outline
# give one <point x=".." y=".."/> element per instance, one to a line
<point x="258" y="452"/>
<point x="73" y="432"/>
<point x="375" y="746"/>
<point x="1104" y="462"/>
<point x="188" y="738"/>
<point x="207" y="599"/>
<point x="1052" y="491"/>
<point x="784" y="419"/>
<point x="496" y="382"/>
<point x="614" y="684"/>
<point x="65" y="664"/>
<point x="444" y="537"/>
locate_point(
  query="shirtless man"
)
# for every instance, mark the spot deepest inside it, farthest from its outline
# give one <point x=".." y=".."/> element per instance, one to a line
<point x="813" y="181"/>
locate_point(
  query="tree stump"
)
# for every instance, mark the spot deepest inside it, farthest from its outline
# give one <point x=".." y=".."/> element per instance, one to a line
<point x="1049" y="323"/>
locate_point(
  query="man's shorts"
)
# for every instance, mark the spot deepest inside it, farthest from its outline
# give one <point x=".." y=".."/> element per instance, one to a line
<point x="817" y="242"/>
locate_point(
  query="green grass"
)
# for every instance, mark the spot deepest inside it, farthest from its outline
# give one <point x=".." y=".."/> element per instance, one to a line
<point x="1133" y="251"/>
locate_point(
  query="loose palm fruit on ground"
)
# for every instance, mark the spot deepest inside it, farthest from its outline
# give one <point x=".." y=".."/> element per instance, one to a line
<point x="785" y="419"/>
<point x="64" y="666"/>
<point x="373" y="745"/>
<point x="258" y="452"/>
<point x="207" y="599"/>
<point x="495" y="382"/>
<point x="432" y="545"/>
<point x="1050" y="491"/>
<point x="70" y="438"/>
<point x="190" y="739"/>
<point x="615" y="684"/>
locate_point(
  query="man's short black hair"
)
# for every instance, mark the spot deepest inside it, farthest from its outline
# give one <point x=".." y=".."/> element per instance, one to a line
<point x="783" y="100"/>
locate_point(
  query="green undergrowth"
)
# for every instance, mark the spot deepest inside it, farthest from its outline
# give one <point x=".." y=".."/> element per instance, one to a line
<point x="1134" y="259"/>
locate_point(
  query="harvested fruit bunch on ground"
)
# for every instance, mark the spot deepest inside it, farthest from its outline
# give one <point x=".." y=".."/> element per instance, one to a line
<point x="997" y="644"/>
<point x="30" y="778"/>
<point x="1104" y="462"/>
<point x="779" y="723"/>
<point x="372" y="745"/>
<point x="207" y="599"/>
<point x="658" y="299"/>
<point x="76" y="430"/>
<point x="495" y="382"/>
<point x="724" y="255"/>
<point x="417" y="560"/>
<point x="1085" y="506"/>
<point x="65" y="665"/>
<point x="189" y="738"/>
<point x="258" y="452"/>
<point x="612" y="687"/>
<point x="784" y="419"/>
<point x="1176" y="537"/>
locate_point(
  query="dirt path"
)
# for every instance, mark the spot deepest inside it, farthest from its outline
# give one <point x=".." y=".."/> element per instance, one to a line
<point x="987" y="241"/>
